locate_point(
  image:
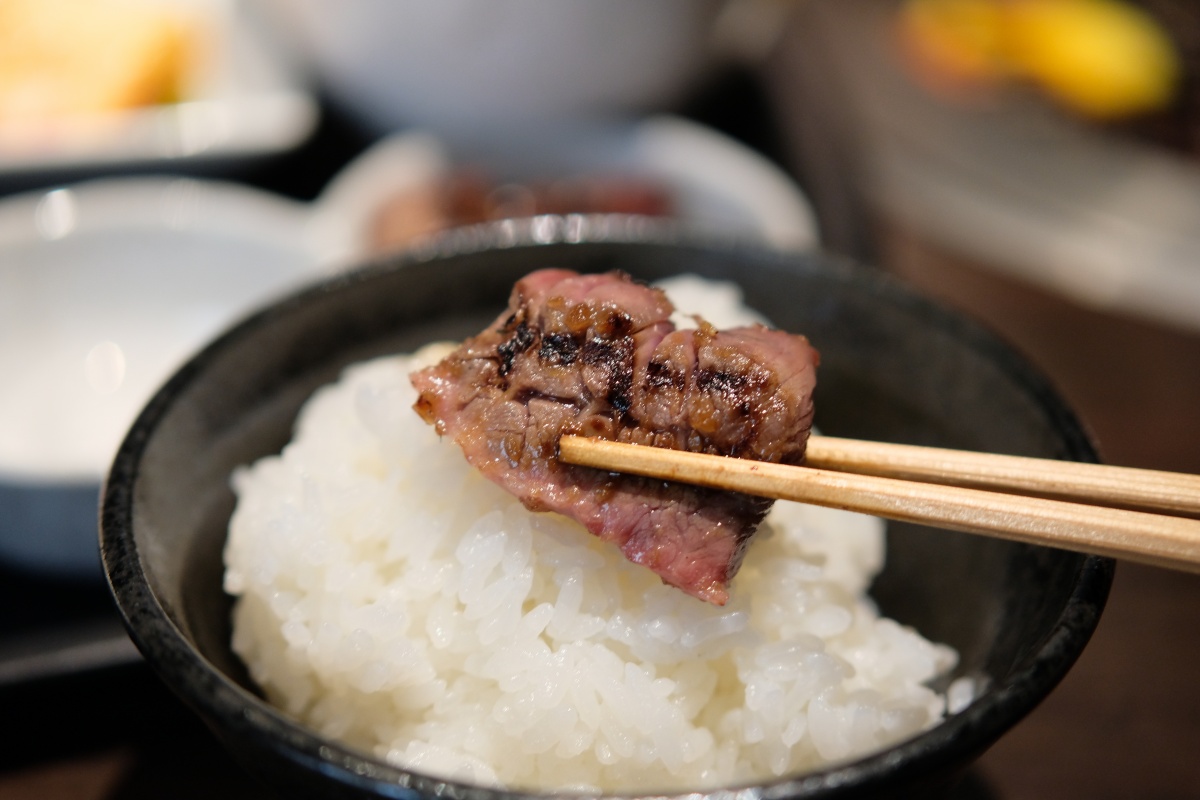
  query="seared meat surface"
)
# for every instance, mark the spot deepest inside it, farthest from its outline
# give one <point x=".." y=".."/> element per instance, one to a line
<point x="597" y="355"/>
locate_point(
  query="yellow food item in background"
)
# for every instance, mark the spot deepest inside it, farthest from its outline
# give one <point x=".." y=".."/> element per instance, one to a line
<point x="72" y="58"/>
<point x="1101" y="58"/>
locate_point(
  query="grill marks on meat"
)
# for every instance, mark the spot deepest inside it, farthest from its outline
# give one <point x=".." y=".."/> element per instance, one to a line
<point x="597" y="355"/>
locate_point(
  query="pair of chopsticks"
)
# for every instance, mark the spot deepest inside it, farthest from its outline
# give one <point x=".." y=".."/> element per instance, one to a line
<point x="1091" y="508"/>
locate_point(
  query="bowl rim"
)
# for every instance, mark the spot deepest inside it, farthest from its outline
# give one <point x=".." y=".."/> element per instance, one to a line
<point x="168" y="650"/>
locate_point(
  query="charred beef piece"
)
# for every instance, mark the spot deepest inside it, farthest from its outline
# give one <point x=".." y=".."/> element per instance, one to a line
<point x="597" y="355"/>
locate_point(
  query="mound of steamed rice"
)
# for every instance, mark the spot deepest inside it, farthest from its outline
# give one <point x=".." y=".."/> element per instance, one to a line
<point x="392" y="598"/>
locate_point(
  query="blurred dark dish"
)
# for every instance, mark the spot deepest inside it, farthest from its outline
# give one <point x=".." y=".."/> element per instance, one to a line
<point x="894" y="367"/>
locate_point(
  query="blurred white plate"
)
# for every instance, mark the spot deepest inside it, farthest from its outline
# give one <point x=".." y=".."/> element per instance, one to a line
<point x="105" y="288"/>
<point x="246" y="102"/>
<point x="715" y="182"/>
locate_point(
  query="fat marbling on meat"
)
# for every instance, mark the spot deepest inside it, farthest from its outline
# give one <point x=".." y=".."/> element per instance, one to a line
<point x="597" y="355"/>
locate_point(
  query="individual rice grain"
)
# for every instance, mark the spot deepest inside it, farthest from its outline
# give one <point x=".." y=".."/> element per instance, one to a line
<point x="391" y="597"/>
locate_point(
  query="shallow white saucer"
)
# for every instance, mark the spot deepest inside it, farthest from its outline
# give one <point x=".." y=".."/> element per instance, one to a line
<point x="105" y="288"/>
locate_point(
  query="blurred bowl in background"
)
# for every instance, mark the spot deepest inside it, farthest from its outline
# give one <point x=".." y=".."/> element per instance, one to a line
<point x="710" y="181"/>
<point x="472" y="69"/>
<point x="105" y="287"/>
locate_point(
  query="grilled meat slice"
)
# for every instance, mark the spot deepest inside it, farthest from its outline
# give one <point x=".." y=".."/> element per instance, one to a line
<point x="597" y="355"/>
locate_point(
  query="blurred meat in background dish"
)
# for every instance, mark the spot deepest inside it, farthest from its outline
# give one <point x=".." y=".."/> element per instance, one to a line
<point x="409" y="185"/>
<point x="469" y="196"/>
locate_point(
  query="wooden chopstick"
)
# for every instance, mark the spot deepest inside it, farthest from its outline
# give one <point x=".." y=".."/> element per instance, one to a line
<point x="1095" y="484"/>
<point x="1164" y="541"/>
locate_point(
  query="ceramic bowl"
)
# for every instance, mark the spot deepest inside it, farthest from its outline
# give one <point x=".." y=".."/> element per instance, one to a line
<point x="894" y="367"/>
<point x="481" y="70"/>
<point x="106" y="287"/>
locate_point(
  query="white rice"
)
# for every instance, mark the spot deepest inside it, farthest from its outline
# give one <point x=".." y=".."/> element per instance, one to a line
<point x="392" y="598"/>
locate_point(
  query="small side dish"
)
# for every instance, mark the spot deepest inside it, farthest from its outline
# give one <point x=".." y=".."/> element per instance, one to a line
<point x="411" y="184"/>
